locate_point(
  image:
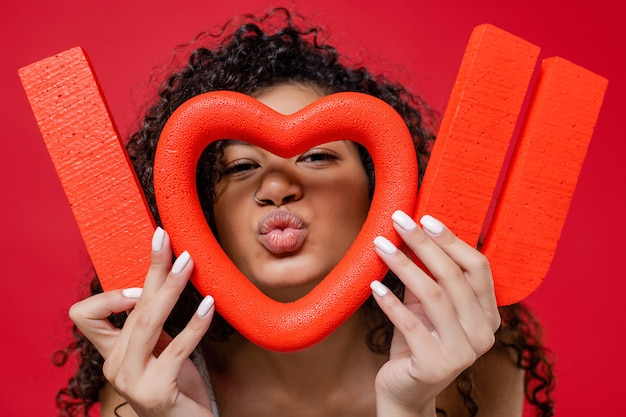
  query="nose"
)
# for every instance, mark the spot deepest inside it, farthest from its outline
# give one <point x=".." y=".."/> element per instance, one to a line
<point x="277" y="189"/>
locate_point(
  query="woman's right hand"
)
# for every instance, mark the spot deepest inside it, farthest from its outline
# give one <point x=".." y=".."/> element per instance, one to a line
<point x="144" y="365"/>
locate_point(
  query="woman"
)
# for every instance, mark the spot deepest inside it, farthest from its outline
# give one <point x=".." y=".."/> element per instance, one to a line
<point x="413" y="357"/>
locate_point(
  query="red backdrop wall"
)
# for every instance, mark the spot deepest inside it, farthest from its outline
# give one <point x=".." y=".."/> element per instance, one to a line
<point x="44" y="267"/>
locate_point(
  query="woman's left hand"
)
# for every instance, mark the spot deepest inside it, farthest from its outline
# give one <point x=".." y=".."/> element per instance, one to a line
<point x="442" y="326"/>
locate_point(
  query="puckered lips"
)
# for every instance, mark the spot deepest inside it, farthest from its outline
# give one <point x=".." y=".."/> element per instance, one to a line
<point x="281" y="231"/>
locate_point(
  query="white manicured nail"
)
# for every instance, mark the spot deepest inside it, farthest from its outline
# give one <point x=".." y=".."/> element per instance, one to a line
<point x="379" y="288"/>
<point x="181" y="262"/>
<point x="431" y="224"/>
<point x="404" y="220"/>
<point x="157" y="239"/>
<point x="385" y="245"/>
<point x="205" y="306"/>
<point x="132" y="292"/>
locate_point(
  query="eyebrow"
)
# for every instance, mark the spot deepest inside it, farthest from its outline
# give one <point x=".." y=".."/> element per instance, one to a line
<point x="236" y="142"/>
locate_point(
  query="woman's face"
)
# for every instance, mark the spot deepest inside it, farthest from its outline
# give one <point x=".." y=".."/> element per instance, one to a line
<point x="313" y="206"/>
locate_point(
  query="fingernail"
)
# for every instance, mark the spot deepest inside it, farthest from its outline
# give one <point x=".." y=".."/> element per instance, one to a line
<point x="132" y="292"/>
<point x="157" y="239"/>
<point x="379" y="288"/>
<point x="181" y="262"/>
<point x="385" y="245"/>
<point x="404" y="220"/>
<point x="205" y="306"/>
<point x="431" y="224"/>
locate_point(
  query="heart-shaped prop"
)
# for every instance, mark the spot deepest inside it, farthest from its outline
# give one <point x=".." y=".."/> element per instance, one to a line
<point x="227" y="115"/>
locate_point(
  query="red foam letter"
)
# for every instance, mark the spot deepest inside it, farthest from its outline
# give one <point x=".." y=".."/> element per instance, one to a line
<point x="474" y="137"/>
<point x="93" y="167"/>
<point x="542" y="176"/>
<point x="476" y="130"/>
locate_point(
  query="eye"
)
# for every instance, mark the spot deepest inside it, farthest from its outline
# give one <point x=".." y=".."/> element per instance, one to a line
<point x="239" y="167"/>
<point x="318" y="156"/>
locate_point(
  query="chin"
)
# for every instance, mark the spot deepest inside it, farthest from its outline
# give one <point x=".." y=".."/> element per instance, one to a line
<point x="290" y="278"/>
<point x="287" y="291"/>
<point x="285" y="295"/>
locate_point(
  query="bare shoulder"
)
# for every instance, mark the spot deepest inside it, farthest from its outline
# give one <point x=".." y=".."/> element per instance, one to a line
<point x="110" y="400"/>
<point x="498" y="387"/>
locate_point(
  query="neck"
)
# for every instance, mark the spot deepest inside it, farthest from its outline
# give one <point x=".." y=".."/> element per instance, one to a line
<point x="318" y="374"/>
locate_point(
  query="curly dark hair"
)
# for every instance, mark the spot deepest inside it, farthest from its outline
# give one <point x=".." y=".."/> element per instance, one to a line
<point x="259" y="53"/>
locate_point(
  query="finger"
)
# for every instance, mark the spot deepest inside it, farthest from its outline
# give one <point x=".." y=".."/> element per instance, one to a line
<point x="181" y="347"/>
<point x="400" y="346"/>
<point x="161" y="262"/>
<point x="473" y="314"/>
<point x="91" y="316"/>
<point x="443" y="268"/>
<point x="477" y="272"/>
<point x="425" y="346"/>
<point x="419" y="336"/>
<point x="477" y="312"/>
<point x="150" y="315"/>
<point x="433" y="299"/>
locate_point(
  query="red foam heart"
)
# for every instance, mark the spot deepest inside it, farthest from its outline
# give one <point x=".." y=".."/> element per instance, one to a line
<point x="218" y="115"/>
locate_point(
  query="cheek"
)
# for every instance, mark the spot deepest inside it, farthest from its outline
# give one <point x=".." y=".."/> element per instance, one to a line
<point x="351" y="197"/>
<point x="359" y="190"/>
<point x="226" y="214"/>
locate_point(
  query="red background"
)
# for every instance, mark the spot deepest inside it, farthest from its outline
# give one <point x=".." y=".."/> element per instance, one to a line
<point x="43" y="262"/>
